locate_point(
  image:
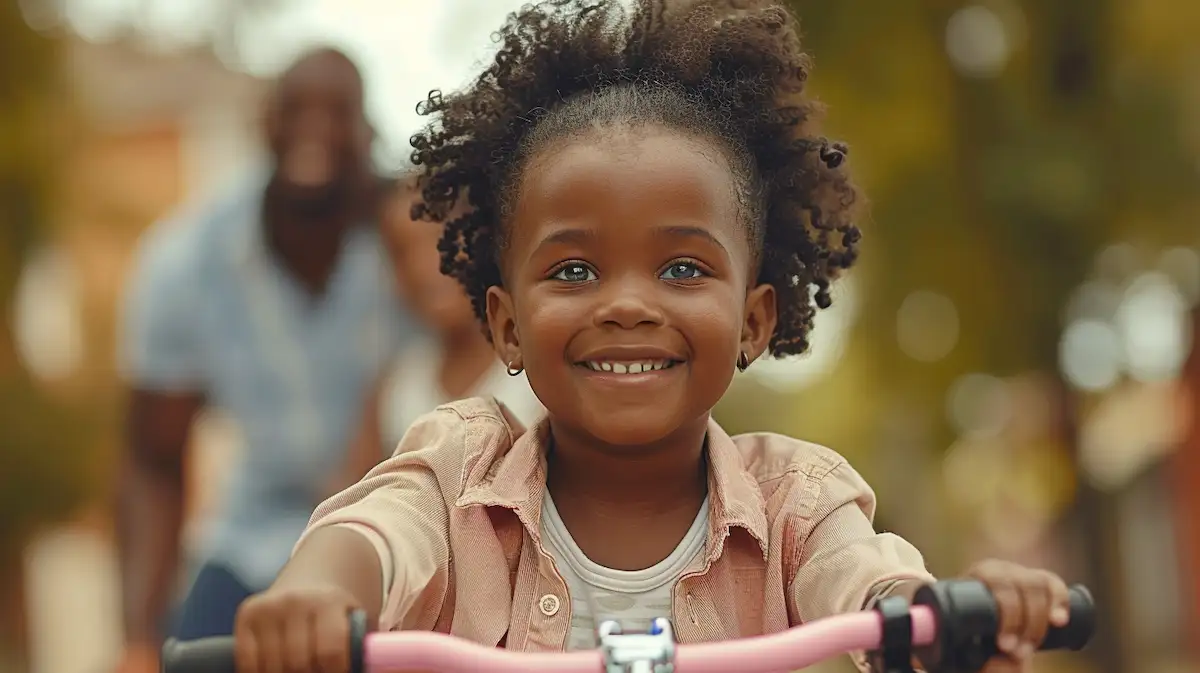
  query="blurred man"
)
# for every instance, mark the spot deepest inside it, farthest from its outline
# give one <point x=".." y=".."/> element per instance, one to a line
<point x="275" y="305"/>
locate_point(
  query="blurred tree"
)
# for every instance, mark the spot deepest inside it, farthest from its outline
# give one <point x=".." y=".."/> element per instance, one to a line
<point x="994" y="189"/>
<point x="51" y="457"/>
<point x="1049" y="176"/>
<point x="43" y="476"/>
<point x="46" y="471"/>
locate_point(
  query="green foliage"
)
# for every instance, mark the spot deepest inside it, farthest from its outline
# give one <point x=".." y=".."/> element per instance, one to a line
<point x="48" y="471"/>
<point x="998" y="192"/>
<point x="44" y="473"/>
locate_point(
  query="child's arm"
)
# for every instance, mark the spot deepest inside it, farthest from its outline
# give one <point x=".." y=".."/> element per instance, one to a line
<point x="381" y="546"/>
<point x="342" y="561"/>
<point x="845" y="566"/>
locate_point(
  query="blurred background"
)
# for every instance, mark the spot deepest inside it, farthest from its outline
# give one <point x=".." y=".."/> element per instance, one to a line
<point x="1012" y="365"/>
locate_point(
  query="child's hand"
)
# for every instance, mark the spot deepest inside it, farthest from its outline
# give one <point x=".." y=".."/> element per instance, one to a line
<point x="1030" y="601"/>
<point x="294" y="630"/>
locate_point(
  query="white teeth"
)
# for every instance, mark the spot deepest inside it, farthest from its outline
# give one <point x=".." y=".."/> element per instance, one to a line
<point x="629" y="367"/>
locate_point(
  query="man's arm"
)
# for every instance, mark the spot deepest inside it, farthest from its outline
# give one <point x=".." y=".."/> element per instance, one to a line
<point x="150" y="508"/>
<point x="162" y="361"/>
<point x="365" y="450"/>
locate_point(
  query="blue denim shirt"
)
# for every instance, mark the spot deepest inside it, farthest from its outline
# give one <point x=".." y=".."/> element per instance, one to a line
<point x="209" y="309"/>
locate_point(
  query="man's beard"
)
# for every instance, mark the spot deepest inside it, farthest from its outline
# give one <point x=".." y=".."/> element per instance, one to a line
<point x="316" y="203"/>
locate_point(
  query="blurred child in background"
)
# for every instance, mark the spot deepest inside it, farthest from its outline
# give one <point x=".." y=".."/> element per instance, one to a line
<point x="452" y="361"/>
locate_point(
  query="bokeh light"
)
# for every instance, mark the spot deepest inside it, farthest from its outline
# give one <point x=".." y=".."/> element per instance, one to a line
<point x="1126" y="432"/>
<point x="927" y="326"/>
<point x="1091" y="355"/>
<point x="46" y="316"/>
<point x="977" y="41"/>
<point x="978" y="405"/>
<point x="1153" y="328"/>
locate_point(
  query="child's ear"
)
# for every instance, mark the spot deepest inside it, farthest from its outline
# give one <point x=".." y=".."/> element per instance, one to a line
<point x="759" y="322"/>
<point x="502" y="324"/>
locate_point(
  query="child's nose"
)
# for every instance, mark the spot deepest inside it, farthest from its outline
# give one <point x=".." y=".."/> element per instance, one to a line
<point x="628" y="303"/>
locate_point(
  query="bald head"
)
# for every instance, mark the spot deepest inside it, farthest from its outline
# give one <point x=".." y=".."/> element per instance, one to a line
<point x="321" y="63"/>
<point x="316" y="126"/>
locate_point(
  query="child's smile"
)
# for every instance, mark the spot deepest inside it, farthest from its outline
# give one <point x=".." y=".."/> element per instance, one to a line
<point x="642" y="367"/>
<point x="631" y="366"/>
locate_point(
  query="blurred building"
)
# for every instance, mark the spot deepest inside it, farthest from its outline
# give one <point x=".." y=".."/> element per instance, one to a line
<point x="148" y="131"/>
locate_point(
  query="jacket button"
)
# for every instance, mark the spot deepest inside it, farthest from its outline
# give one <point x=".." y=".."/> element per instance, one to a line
<point x="549" y="605"/>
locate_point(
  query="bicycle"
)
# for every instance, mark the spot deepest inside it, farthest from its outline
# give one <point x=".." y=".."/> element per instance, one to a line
<point x="950" y="628"/>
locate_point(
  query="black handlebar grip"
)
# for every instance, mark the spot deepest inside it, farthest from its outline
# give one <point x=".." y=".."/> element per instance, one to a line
<point x="216" y="655"/>
<point x="1076" y="634"/>
<point x="968" y="620"/>
<point x="358" y="637"/>
<point x="206" y="655"/>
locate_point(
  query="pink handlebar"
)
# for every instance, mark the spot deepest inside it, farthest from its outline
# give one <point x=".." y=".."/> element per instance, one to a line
<point x="793" y="649"/>
<point x="957" y="619"/>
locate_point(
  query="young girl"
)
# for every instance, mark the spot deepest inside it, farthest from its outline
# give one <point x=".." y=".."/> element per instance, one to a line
<point x="649" y="210"/>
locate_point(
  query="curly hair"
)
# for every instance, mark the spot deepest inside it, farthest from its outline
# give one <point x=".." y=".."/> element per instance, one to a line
<point x="730" y="71"/>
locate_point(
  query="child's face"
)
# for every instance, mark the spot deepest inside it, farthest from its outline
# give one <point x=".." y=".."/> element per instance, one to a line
<point x="627" y="251"/>
<point x="437" y="300"/>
